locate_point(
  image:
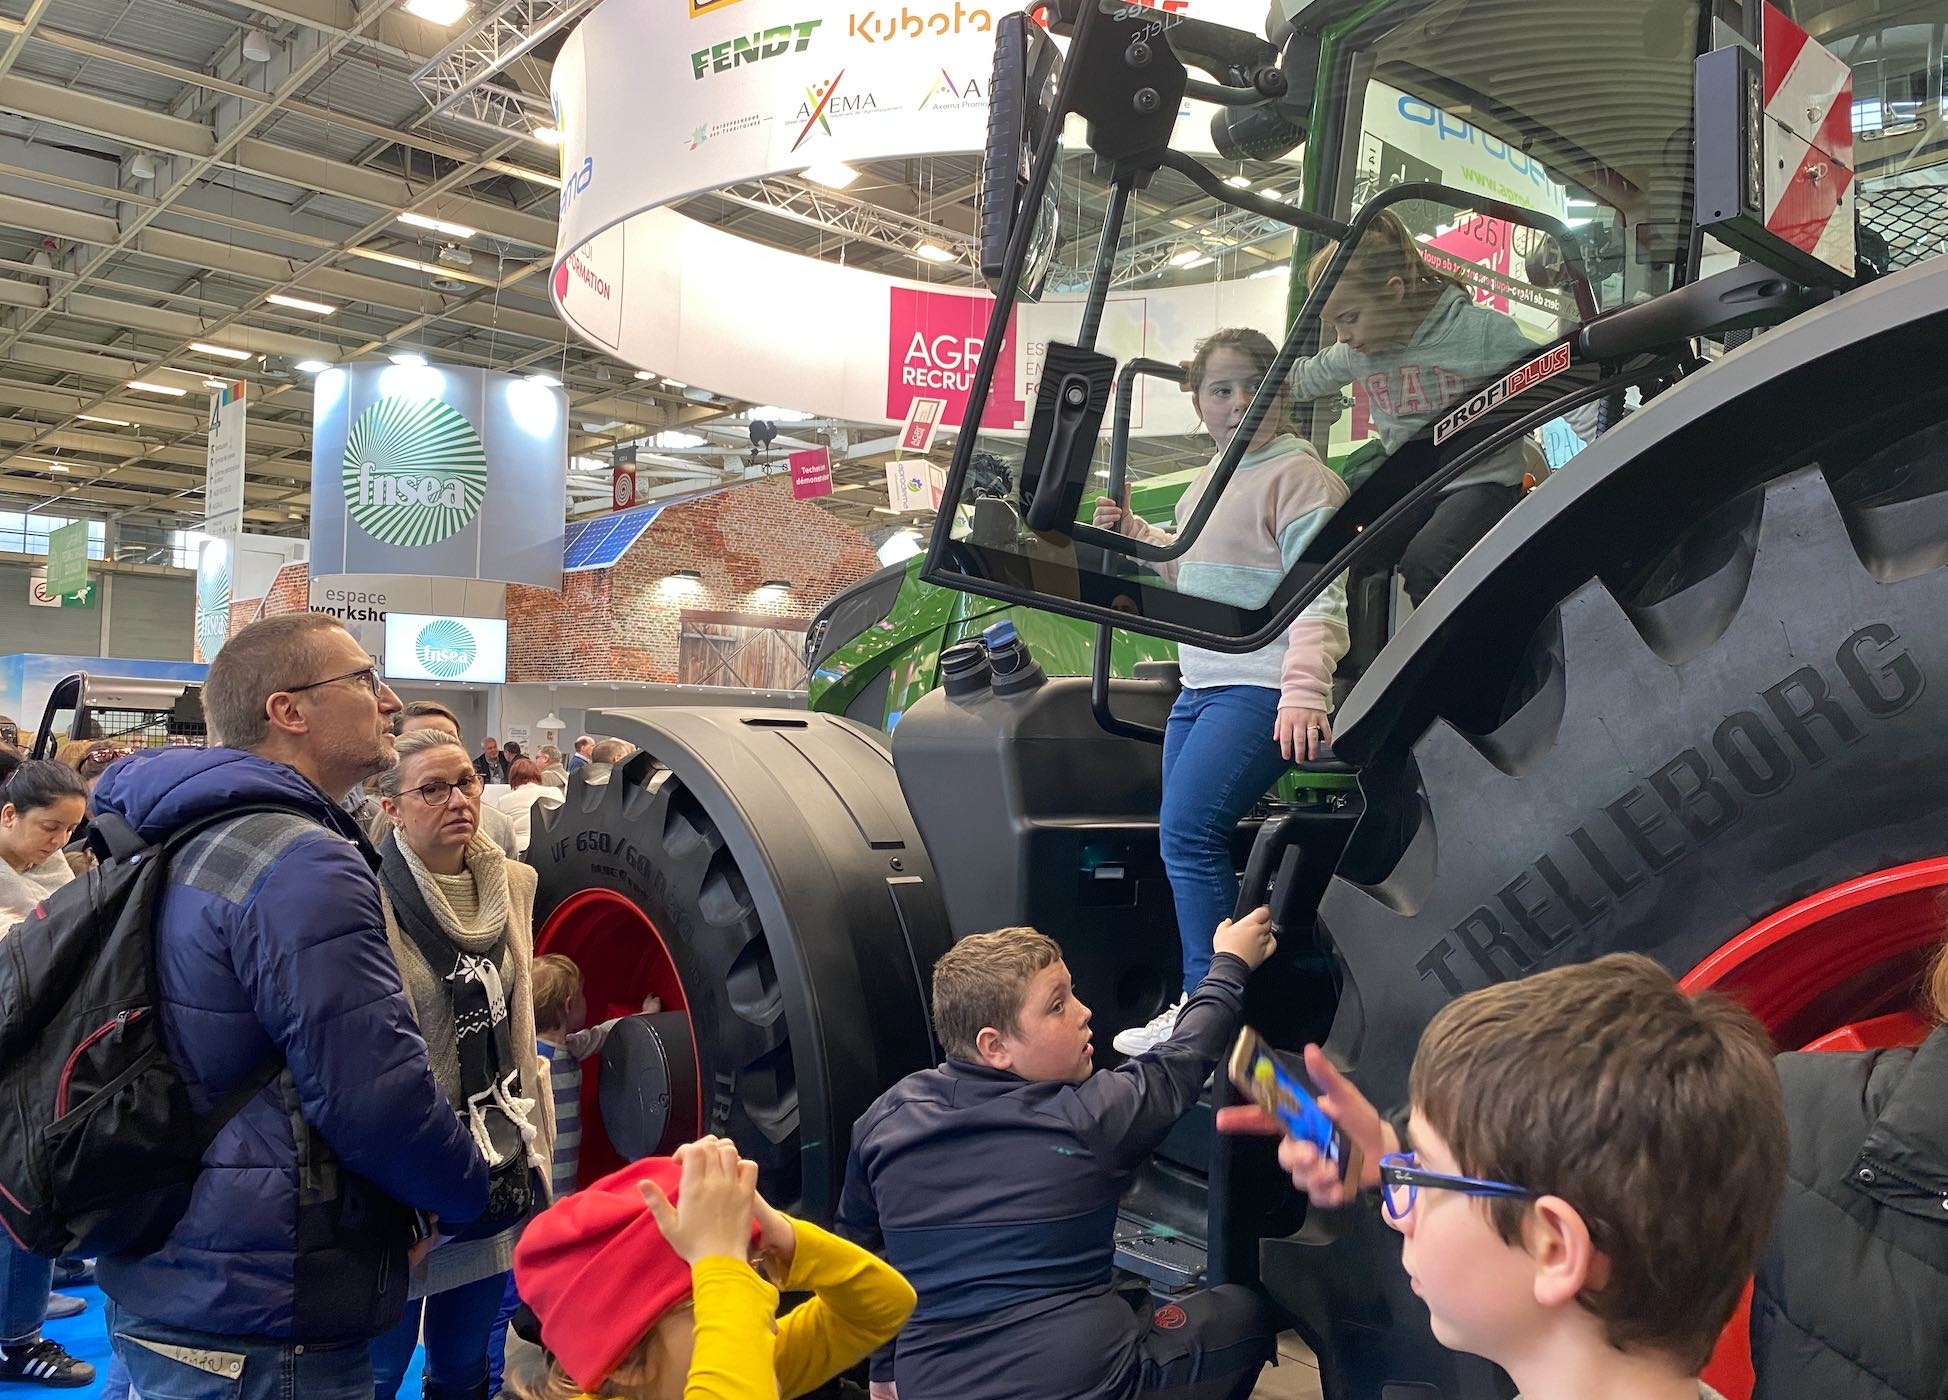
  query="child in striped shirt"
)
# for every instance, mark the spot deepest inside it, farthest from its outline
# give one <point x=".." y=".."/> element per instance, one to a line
<point x="563" y="1040"/>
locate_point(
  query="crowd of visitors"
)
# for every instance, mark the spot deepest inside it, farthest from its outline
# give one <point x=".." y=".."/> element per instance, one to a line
<point x="1590" y="1168"/>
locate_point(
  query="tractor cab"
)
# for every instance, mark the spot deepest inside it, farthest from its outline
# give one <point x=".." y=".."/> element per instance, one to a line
<point x="1457" y="218"/>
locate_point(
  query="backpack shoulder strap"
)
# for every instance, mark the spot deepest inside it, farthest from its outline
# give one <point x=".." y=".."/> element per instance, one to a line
<point x="232" y="1101"/>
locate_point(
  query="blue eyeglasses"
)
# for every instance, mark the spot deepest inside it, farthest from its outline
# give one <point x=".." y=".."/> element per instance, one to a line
<point x="1401" y="1178"/>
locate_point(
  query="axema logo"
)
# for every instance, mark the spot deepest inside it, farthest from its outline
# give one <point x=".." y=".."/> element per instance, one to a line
<point x="817" y="98"/>
<point x="823" y="102"/>
<point x="415" y="472"/>
<point x="445" y="648"/>
<point x="948" y="93"/>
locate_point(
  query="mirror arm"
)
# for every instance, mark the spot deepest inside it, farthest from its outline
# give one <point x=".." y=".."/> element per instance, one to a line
<point x="1206" y="180"/>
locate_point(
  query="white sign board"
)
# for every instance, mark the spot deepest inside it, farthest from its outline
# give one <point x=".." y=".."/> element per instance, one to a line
<point x="423" y="647"/>
<point x="363" y="601"/>
<point x="223" y="492"/>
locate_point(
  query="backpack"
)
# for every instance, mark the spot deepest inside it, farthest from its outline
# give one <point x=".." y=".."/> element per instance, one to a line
<point x="102" y="1145"/>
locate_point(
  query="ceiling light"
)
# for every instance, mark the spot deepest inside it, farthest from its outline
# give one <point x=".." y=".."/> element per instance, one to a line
<point x="440" y="12"/>
<point x="670" y="383"/>
<point x="932" y="252"/>
<point x="146" y="387"/>
<point x="256" y="46"/>
<point x="1187" y="257"/>
<point x="1197" y="260"/>
<point x="312" y="366"/>
<point x="438" y="225"/>
<point x="316" y="308"/>
<point x="218" y="384"/>
<point x="111" y="422"/>
<point x="142" y="166"/>
<point x="645" y="374"/>
<point x="203" y="347"/>
<point x="547" y="135"/>
<point x="1581" y="203"/>
<point x="59" y="468"/>
<point x="834" y="175"/>
<point x="1271" y="191"/>
<point x="1239" y="182"/>
<point x="546" y="381"/>
<point x="408" y="357"/>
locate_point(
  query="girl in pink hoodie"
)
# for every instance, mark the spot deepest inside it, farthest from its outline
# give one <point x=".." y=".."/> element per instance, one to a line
<point x="1240" y="719"/>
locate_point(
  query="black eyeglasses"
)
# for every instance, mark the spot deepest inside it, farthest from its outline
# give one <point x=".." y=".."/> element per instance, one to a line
<point x="369" y="674"/>
<point x="436" y="793"/>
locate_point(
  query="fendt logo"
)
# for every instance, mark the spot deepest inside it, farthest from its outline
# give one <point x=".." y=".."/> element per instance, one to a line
<point x="737" y="50"/>
<point x="445" y="648"/>
<point x="415" y="472"/>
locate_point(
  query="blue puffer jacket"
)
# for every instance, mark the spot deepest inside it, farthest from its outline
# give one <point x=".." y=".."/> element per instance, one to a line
<point x="269" y="939"/>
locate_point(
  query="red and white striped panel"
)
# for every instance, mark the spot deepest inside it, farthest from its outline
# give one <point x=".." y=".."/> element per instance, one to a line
<point x="1809" y="194"/>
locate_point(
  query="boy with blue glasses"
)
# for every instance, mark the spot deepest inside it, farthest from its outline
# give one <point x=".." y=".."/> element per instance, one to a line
<point x="1590" y="1167"/>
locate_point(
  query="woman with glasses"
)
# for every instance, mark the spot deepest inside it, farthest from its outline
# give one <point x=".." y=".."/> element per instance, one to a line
<point x="459" y="916"/>
<point x="40" y="804"/>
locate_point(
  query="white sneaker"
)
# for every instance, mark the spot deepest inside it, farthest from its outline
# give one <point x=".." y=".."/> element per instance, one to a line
<point x="1139" y="1039"/>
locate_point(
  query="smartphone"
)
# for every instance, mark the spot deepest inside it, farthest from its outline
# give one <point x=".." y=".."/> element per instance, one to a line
<point x="1279" y="1085"/>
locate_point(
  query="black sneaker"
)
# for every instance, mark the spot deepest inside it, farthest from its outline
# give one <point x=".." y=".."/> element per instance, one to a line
<point x="45" y="1363"/>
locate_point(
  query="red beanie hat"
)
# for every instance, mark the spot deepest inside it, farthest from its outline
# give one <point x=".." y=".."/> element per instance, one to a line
<point x="597" y="1271"/>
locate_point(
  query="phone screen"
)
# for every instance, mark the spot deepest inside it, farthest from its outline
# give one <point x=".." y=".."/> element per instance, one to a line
<point x="1258" y="1074"/>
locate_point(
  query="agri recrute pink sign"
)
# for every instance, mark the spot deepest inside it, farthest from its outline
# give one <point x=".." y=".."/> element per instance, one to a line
<point x="932" y="346"/>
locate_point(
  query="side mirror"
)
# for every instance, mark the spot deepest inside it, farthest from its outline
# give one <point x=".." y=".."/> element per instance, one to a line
<point x="1021" y="101"/>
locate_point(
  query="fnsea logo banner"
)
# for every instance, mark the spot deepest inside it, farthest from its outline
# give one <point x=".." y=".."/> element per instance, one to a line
<point x="415" y="471"/>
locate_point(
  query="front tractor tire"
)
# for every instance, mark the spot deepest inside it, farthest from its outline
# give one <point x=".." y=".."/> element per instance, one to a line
<point x="756" y="871"/>
<point x="1760" y="716"/>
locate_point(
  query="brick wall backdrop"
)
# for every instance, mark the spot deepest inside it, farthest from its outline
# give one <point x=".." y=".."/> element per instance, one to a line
<point x="622" y="623"/>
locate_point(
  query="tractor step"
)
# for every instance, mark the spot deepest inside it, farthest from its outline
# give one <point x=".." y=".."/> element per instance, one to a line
<point x="1170" y="1261"/>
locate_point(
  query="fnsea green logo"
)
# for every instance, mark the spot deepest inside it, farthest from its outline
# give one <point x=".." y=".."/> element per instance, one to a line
<point x="445" y="648"/>
<point x="415" y="471"/>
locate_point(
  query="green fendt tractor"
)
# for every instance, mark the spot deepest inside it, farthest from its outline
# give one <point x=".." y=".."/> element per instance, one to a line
<point x="1689" y="697"/>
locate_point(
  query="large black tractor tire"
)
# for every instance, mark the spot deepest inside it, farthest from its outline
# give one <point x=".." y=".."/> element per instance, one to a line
<point x="1757" y="716"/>
<point x="760" y="867"/>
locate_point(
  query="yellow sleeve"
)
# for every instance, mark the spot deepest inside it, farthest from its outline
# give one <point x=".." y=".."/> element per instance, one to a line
<point x="859" y="1302"/>
<point x="736" y="1314"/>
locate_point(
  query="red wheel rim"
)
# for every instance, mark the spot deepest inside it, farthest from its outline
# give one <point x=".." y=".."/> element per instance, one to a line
<point x="1838" y="960"/>
<point x="1839" y="970"/>
<point x="623" y="959"/>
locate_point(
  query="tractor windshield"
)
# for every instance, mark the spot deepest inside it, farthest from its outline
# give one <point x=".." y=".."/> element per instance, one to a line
<point x="1248" y="343"/>
<point x="1296" y="342"/>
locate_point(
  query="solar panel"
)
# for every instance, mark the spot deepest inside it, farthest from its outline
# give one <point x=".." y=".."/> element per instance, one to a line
<point x="599" y="543"/>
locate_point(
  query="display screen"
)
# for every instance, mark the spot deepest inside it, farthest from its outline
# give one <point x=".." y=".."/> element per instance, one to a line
<point x="431" y="648"/>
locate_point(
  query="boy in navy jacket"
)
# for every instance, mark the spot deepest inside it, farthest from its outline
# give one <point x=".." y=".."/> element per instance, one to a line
<point x="992" y="1181"/>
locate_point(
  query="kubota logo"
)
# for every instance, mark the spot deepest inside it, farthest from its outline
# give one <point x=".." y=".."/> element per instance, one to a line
<point x="414" y="473"/>
<point x="445" y="648"/>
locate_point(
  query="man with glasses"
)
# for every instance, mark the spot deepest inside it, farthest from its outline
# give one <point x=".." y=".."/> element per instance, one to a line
<point x="271" y="947"/>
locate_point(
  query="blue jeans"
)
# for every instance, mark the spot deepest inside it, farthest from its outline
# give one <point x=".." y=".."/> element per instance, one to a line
<point x="115" y="1385"/>
<point x="497" y="1334"/>
<point x="24" y="1281"/>
<point x="457" y="1324"/>
<point x="1219" y="757"/>
<point x="174" y="1363"/>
